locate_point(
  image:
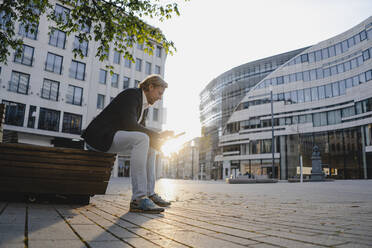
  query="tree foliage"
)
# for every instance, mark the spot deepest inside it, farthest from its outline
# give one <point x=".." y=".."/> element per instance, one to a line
<point x="117" y="22"/>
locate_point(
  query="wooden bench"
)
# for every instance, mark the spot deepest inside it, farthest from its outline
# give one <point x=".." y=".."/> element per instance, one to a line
<point x="37" y="171"/>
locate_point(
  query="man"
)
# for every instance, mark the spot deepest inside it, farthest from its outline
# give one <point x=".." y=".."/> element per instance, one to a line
<point x="120" y="128"/>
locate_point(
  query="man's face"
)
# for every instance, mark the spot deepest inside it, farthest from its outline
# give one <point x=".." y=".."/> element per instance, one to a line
<point x="154" y="93"/>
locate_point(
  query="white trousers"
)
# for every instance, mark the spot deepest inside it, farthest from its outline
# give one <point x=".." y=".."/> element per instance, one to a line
<point x="142" y="160"/>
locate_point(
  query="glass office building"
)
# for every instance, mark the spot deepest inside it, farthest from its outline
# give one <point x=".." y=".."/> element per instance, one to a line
<point x="323" y="97"/>
<point x="219" y="99"/>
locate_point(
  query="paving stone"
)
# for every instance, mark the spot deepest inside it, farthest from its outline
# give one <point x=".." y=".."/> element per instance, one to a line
<point x="12" y="245"/>
<point x="56" y="244"/>
<point x="56" y="231"/>
<point x="93" y="233"/>
<point x="108" y="244"/>
<point x="283" y="242"/>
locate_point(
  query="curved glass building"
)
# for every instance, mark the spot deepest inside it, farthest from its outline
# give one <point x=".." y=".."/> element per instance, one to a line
<point x="219" y="98"/>
<point x="323" y="97"/>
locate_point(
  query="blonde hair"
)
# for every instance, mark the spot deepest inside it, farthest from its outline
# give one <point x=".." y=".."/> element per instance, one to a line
<point x="155" y="80"/>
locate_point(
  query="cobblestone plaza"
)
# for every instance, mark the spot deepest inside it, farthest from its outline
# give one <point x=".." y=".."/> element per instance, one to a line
<point x="203" y="214"/>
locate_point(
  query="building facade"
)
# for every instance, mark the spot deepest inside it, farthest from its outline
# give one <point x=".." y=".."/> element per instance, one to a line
<point x="322" y="97"/>
<point x="221" y="96"/>
<point x="50" y="95"/>
<point x="184" y="164"/>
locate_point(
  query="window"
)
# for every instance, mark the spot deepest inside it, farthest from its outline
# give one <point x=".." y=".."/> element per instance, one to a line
<point x="299" y="76"/>
<point x="338" y="48"/>
<point x="136" y="83"/>
<point x="321" y="91"/>
<point x="140" y="46"/>
<point x="312" y="74"/>
<point x="345" y="46"/>
<point x="138" y="64"/>
<point x="54" y="63"/>
<point x="102" y="76"/>
<point x="117" y="57"/>
<point x="353" y="63"/>
<point x="158" y="51"/>
<point x="31" y="33"/>
<point x="27" y="55"/>
<point x="328" y="90"/>
<point x="300" y="96"/>
<point x="368" y="75"/>
<point x="157" y="69"/>
<point x="366" y="55"/>
<point x="155" y="114"/>
<point x="363" y="35"/>
<point x="342" y="87"/>
<point x="323" y="119"/>
<point x="318" y="55"/>
<point x="351" y="41"/>
<point x="57" y="38"/>
<point x="335" y="89"/>
<point x="128" y="63"/>
<point x="126" y="82"/>
<point x="307" y="93"/>
<point x="83" y="27"/>
<point x="334" y="70"/>
<point x="326" y="72"/>
<point x="347" y="65"/>
<point x="294" y="96"/>
<point x="14" y="113"/>
<point x="340" y="68"/>
<point x="304" y="58"/>
<point x="349" y="83"/>
<point x="316" y="119"/>
<point x="19" y="82"/>
<point x="104" y="52"/>
<point x="311" y="57"/>
<point x="49" y="119"/>
<point x="306" y="75"/>
<point x="100" y="101"/>
<point x="71" y="123"/>
<point x="332" y="51"/>
<point x="50" y="90"/>
<point x="115" y="80"/>
<point x="83" y="46"/>
<point x="325" y="53"/>
<point x="4" y="19"/>
<point x="280" y="80"/>
<point x="31" y="117"/>
<point x="314" y="94"/>
<point x="148" y="68"/>
<point x="61" y="13"/>
<point x="347" y="112"/>
<point x="74" y="95"/>
<point x="77" y="70"/>
<point x="319" y="73"/>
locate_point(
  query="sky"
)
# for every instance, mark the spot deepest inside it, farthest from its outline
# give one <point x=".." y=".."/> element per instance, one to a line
<point x="214" y="36"/>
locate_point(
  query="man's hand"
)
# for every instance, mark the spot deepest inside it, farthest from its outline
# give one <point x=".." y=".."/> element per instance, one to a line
<point x="166" y="134"/>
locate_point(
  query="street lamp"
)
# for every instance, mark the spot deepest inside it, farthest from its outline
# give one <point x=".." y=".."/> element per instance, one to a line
<point x="192" y="158"/>
<point x="272" y="131"/>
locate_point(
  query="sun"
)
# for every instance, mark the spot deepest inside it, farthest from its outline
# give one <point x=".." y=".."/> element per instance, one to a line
<point x="171" y="146"/>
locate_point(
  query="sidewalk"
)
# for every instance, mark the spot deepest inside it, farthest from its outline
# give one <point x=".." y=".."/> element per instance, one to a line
<point x="203" y="214"/>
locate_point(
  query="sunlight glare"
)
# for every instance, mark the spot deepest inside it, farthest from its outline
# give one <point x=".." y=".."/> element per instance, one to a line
<point x="171" y="146"/>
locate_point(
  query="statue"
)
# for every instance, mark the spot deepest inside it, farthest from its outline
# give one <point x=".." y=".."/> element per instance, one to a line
<point x="317" y="171"/>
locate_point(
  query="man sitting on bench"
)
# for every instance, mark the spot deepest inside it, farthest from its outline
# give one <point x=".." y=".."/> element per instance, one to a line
<point x="120" y="128"/>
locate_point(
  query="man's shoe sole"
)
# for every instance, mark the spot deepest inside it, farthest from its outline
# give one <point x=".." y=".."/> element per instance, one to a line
<point x="146" y="211"/>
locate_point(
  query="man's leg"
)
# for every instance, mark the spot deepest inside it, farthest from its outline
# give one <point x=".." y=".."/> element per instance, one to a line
<point x="135" y="144"/>
<point x="151" y="175"/>
<point x="151" y="178"/>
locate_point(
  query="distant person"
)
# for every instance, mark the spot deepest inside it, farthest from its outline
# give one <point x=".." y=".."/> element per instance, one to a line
<point x="120" y="128"/>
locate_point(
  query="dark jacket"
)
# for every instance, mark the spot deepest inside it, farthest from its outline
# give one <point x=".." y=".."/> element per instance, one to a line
<point x="122" y="113"/>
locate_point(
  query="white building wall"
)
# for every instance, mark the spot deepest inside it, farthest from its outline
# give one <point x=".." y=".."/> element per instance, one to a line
<point x="91" y="87"/>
